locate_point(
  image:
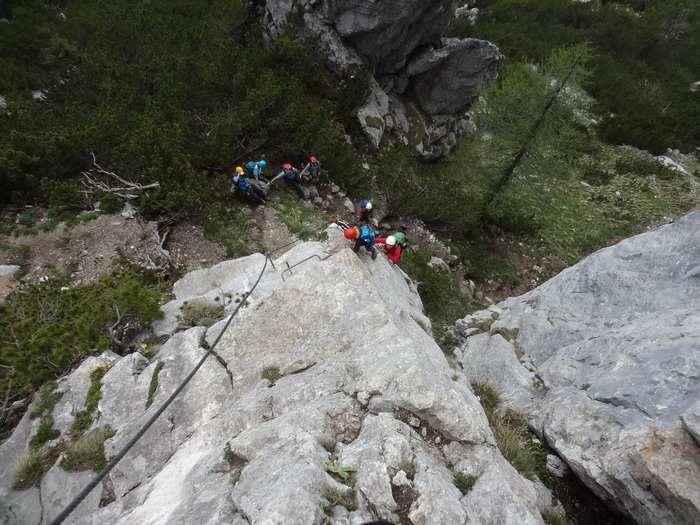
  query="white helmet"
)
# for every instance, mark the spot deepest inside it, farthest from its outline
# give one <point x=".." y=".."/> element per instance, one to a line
<point x="369" y="206"/>
<point x="391" y="240"/>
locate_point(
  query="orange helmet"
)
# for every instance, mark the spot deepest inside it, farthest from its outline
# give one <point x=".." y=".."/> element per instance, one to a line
<point x="312" y="159"/>
<point x="239" y="169"/>
<point x="286" y="166"/>
<point x="351" y="233"/>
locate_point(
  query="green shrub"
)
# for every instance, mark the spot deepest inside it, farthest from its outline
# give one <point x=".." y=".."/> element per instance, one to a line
<point x="228" y="453"/>
<point x="298" y="218"/>
<point x="46" y="327"/>
<point x="515" y="446"/>
<point x="443" y="301"/>
<point x="464" y="482"/>
<point x="27" y="218"/>
<point x="509" y="334"/>
<point x="483" y="325"/>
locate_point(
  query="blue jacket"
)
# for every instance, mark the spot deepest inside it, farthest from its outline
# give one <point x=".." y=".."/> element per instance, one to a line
<point x="241" y="182"/>
<point x="291" y="175"/>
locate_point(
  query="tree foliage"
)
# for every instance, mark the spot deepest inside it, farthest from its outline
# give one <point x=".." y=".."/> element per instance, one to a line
<point x="646" y="55"/>
<point x="530" y="131"/>
<point x="169" y="91"/>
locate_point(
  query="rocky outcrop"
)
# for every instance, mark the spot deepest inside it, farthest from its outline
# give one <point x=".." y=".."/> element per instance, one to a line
<point x="445" y="79"/>
<point x="389" y="30"/>
<point x="603" y="359"/>
<point x="402" y="39"/>
<point x="330" y="359"/>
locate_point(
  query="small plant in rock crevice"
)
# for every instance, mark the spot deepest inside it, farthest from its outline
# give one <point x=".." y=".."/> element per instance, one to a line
<point x="84" y="418"/>
<point x="229" y="456"/>
<point x="200" y="312"/>
<point x="271" y="373"/>
<point x="408" y="467"/>
<point x="87" y="451"/>
<point x="402" y="415"/>
<point x="552" y="517"/>
<point x="328" y="443"/>
<point x="483" y="325"/>
<point x="28" y="469"/>
<point x="347" y="499"/>
<point x="44" y="401"/>
<point x="509" y="334"/>
<point x="489" y="396"/>
<point x="514" y="439"/>
<point x="236" y="475"/>
<point x="154" y="383"/>
<point x="464" y="482"/>
<point x="343" y="472"/>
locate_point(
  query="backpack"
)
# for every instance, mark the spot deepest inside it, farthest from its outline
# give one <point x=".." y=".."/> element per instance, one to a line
<point x="366" y="234"/>
<point x="242" y="184"/>
<point x="401" y="240"/>
<point x="250" y="166"/>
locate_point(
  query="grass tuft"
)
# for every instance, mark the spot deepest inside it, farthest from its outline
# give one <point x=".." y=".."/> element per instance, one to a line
<point x="336" y="498"/>
<point x="87" y="452"/>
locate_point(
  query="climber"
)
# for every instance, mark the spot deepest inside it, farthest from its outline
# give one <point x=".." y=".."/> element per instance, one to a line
<point x="255" y="170"/>
<point x="313" y="168"/>
<point x="394" y="245"/>
<point x="290" y="175"/>
<point x="366" y="212"/>
<point x="253" y="191"/>
<point x="362" y="236"/>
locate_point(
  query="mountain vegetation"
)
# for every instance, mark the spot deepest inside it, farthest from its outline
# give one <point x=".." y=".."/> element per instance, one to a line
<point x="170" y="95"/>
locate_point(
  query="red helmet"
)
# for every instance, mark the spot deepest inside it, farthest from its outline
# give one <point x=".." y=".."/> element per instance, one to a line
<point x="312" y="159"/>
<point x="286" y="166"/>
<point x="351" y="233"/>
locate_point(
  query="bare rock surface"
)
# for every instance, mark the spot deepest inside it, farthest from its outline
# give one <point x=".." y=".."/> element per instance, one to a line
<point x="352" y="376"/>
<point x="603" y="359"/>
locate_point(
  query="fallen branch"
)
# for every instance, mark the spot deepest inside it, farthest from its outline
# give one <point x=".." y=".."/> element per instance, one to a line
<point x="124" y="191"/>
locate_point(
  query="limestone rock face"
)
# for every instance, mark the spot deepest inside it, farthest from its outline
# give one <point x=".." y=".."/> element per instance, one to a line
<point x="331" y="352"/>
<point x="403" y="41"/>
<point x="603" y="359"/>
<point x="446" y="78"/>
<point x="389" y="29"/>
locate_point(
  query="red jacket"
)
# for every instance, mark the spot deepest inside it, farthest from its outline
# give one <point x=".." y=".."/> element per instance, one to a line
<point x="392" y="252"/>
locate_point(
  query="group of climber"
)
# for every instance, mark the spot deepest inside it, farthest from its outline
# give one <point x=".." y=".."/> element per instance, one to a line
<point x="363" y="236"/>
<point x="249" y="178"/>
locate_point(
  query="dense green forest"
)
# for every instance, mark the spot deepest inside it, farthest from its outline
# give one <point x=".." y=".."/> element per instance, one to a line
<point x="646" y="57"/>
<point x="172" y="94"/>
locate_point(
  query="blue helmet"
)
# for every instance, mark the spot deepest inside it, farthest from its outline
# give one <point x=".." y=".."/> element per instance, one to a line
<point x="262" y="163"/>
